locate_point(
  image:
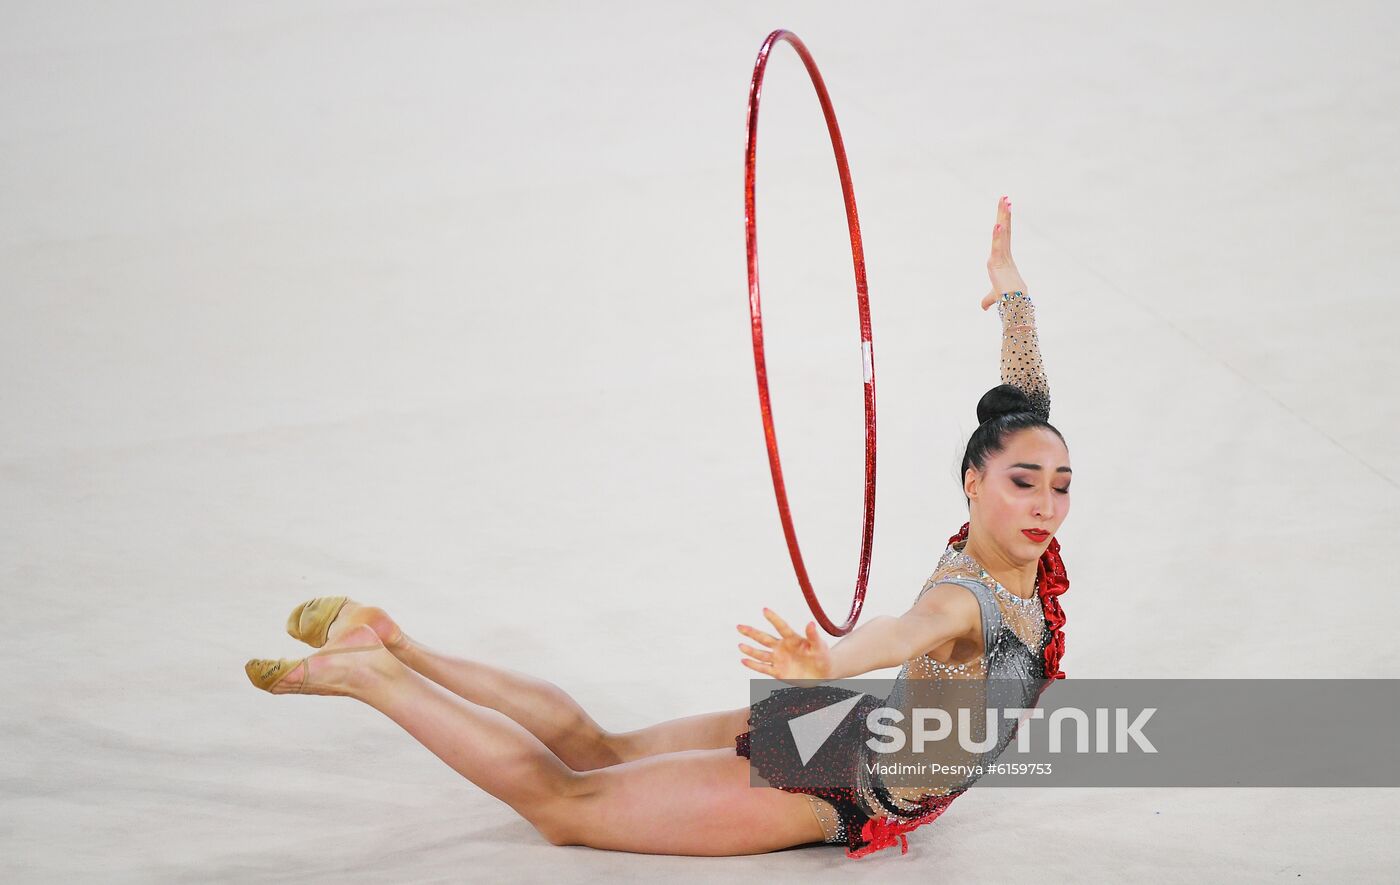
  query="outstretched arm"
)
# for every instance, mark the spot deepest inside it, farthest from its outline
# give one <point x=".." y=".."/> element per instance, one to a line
<point x="950" y="612"/>
<point x="1021" y="365"/>
<point x="882" y="641"/>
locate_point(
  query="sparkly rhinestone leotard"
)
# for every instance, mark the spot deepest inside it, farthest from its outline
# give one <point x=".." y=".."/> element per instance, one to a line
<point x="862" y="812"/>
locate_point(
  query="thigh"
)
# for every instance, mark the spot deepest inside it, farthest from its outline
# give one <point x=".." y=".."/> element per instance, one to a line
<point x="692" y="802"/>
<point x="705" y="731"/>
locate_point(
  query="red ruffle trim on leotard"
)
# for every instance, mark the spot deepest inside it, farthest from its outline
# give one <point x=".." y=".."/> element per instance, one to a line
<point x="887" y="830"/>
<point x="1054" y="581"/>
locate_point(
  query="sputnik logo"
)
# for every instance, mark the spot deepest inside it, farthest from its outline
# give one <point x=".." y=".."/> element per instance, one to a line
<point x="810" y="730"/>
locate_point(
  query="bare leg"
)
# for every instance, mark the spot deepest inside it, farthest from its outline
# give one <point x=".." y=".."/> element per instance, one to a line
<point x="483" y="745"/>
<point x="695" y="802"/>
<point x="704" y="731"/>
<point x="692" y="802"/>
<point x="557" y="719"/>
<point x="543" y="708"/>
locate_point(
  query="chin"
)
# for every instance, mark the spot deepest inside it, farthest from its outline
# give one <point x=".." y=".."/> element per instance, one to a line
<point x="1036" y="548"/>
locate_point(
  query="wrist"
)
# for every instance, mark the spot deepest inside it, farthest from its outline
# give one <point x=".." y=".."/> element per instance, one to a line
<point x="1016" y="306"/>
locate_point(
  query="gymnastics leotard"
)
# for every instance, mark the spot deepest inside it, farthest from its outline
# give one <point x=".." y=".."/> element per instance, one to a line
<point x="852" y="804"/>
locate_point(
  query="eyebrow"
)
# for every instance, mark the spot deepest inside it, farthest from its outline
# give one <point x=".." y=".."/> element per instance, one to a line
<point x="1037" y="467"/>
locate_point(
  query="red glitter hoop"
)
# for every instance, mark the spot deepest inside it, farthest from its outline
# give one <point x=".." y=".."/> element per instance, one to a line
<point x="867" y="351"/>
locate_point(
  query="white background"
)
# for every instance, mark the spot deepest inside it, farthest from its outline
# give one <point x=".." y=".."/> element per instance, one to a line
<point x="443" y="306"/>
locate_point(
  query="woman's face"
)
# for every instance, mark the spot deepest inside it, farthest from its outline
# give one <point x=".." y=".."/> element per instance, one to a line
<point x="1024" y="487"/>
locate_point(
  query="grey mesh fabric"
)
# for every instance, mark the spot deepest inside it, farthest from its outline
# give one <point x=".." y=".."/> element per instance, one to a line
<point x="1008" y="673"/>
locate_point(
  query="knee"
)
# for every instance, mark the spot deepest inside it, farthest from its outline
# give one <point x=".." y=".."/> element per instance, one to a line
<point x="612" y="748"/>
<point x="561" y="822"/>
<point x="556" y="835"/>
<point x="588" y="745"/>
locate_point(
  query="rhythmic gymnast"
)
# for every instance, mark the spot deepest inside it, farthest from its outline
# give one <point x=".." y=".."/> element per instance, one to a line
<point x="683" y="787"/>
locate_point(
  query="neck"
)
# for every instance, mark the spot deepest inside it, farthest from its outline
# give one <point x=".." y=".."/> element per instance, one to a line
<point x="1019" y="578"/>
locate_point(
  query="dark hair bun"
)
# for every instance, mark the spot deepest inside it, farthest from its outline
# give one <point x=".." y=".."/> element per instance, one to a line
<point x="1003" y="399"/>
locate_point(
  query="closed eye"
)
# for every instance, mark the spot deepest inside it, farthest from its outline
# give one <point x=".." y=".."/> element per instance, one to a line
<point x="1026" y="485"/>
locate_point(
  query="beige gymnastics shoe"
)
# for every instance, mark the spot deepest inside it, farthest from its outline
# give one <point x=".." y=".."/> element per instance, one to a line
<point x="271" y="675"/>
<point x="311" y="621"/>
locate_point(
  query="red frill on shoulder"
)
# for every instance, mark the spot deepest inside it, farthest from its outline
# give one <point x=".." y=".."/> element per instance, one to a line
<point x="1054" y="581"/>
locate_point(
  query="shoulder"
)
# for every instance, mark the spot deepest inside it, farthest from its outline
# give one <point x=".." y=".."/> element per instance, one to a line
<point x="948" y="599"/>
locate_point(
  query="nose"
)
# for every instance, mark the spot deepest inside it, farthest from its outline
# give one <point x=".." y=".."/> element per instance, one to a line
<point x="1044" y="505"/>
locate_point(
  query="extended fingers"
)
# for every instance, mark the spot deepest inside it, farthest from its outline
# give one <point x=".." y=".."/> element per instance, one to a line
<point x="756" y="653"/>
<point x="783" y="629"/>
<point x="765" y="669"/>
<point x="758" y="635"/>
<point x="1001" y="233"/>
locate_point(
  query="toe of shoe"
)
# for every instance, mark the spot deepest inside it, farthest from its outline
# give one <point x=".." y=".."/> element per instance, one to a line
<point x="310" y="621"/>
<point x="264" y="672"/>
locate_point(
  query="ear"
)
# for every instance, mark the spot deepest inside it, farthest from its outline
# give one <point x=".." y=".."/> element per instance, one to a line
<point x="970" y="482"/>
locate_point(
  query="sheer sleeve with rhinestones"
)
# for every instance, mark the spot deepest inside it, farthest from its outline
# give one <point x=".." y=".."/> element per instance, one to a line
<point x="1020" y="351"/>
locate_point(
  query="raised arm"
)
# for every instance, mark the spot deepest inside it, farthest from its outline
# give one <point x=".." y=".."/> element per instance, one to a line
<point x="1020" y="347"/>
<point x="1021" y="365"/>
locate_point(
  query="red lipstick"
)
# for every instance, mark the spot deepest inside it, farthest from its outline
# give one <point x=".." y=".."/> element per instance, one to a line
<point x="1036" y="535"/>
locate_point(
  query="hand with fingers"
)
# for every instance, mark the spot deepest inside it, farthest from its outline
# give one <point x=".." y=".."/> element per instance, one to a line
<point x="1000" y="267"/>
<point x="789" y="655"/>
